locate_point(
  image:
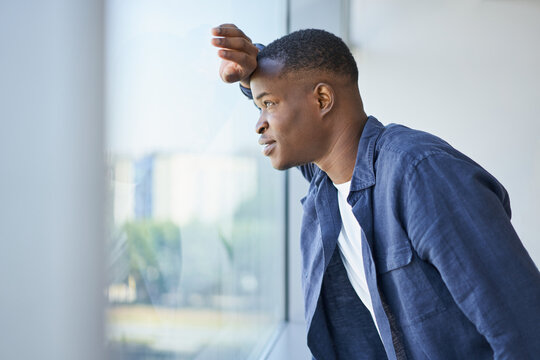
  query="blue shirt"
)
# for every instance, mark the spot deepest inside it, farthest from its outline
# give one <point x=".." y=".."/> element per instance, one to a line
<point x="448" y="276"/>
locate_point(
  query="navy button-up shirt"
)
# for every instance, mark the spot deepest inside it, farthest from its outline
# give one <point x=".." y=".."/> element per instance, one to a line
<point x="448" y="276"/>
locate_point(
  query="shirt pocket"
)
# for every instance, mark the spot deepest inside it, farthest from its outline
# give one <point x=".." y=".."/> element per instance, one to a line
<point x="393" y="258"/>
<point x="406" y="283"/>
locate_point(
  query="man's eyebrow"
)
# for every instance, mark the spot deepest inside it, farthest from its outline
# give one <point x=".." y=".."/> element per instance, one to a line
<point x="261" y="95"/>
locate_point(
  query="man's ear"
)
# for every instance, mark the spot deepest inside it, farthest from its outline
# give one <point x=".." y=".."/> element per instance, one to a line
<point x="325" y="96"/>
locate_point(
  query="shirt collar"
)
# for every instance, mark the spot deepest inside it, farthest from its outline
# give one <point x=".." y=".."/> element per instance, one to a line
<point x="363" y="174"/>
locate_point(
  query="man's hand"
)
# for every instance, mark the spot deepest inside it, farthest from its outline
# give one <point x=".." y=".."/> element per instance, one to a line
<point x="238" y="53"/>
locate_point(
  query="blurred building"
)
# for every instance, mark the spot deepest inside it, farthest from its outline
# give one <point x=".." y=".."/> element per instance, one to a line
<point x="182" y="187"/>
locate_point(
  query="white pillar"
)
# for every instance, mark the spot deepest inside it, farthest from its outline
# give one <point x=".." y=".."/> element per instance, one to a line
<point x="51" y="180"/>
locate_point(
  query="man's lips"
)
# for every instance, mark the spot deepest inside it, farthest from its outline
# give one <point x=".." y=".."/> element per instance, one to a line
<point x="268" y="144"/>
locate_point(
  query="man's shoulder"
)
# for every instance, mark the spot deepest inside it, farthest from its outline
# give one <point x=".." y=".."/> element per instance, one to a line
<point x="400" y="150"/>
<point x="410" y="145"/>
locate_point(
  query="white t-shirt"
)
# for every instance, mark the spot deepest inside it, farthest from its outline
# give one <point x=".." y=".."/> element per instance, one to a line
<point x="350" y="246"/>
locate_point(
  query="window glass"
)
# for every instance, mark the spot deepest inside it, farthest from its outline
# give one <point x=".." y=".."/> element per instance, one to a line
<point x="196" y="266"/>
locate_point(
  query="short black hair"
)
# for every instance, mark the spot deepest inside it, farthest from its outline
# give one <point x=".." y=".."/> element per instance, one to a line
<point x="312" y="49"/>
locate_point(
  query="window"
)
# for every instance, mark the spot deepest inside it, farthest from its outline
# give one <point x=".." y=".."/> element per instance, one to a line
<point x="196" y="234"/>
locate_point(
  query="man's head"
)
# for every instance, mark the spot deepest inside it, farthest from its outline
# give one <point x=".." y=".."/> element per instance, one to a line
<point x="312" y="50"/>
<point x="304" y="82"/>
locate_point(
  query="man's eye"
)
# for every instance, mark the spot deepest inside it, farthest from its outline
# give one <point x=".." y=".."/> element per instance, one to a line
<point x="268" y="103"/>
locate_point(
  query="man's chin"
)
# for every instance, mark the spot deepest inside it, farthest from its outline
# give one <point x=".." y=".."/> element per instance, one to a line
<point x="282" y="168"/>
<point x="282" y="165"/>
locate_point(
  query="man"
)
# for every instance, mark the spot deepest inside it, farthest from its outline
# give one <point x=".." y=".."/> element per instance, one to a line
<point x="408" y="250"/>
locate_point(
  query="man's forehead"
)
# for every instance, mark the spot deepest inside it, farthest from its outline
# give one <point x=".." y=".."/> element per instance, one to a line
<point x="267" y="77"/>
<point x="269" y="67"/>
<point x="271" y="78"/>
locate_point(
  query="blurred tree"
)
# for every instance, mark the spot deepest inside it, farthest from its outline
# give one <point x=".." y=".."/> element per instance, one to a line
<point x="154" y="253"/>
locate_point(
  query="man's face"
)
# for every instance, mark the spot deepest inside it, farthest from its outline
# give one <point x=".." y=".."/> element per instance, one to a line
<point x="289" y="121"/>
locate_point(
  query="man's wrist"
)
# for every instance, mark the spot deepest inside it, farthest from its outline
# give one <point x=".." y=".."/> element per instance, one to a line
<point x="244" y="84"/>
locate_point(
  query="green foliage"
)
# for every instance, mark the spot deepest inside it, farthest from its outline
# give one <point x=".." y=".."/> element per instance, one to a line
<point x="154" y="253"/>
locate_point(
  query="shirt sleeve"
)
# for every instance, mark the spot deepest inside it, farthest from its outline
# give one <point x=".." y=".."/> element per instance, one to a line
<point x="458" y="219"/>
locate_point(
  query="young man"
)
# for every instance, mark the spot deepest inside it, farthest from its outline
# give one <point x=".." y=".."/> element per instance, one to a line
<point x="408" y="250"/>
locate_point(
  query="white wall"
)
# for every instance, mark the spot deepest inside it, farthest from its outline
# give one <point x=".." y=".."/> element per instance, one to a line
<point x="465" y="70"/>
<point x="51" y="183"/>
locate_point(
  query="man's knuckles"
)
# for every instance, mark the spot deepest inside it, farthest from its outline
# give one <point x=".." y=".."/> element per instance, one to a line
<point x="230" y="77"/>
<point x="236" y="43"/>
<point x="229" y="30"/>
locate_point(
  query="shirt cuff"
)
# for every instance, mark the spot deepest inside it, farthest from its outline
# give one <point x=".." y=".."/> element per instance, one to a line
<point x="246" y="91"/>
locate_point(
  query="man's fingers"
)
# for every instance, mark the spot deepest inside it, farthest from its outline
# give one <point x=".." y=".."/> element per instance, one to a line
<point x="238" y="53"/>
<point x="230" y="77"/>
<point x="229" y="30"/>
<point x="228" y="25"/>
<point x="238" y="44"/>
<point x="238" y="57"/>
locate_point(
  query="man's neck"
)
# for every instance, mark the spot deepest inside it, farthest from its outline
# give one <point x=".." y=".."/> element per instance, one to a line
<point x="339" y="161"/>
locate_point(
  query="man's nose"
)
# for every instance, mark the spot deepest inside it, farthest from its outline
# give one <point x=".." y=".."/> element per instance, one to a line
<point x="261" y="125"/>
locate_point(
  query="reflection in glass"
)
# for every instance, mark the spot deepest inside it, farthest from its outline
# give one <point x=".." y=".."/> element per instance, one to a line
<point x="196" y="213"/>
